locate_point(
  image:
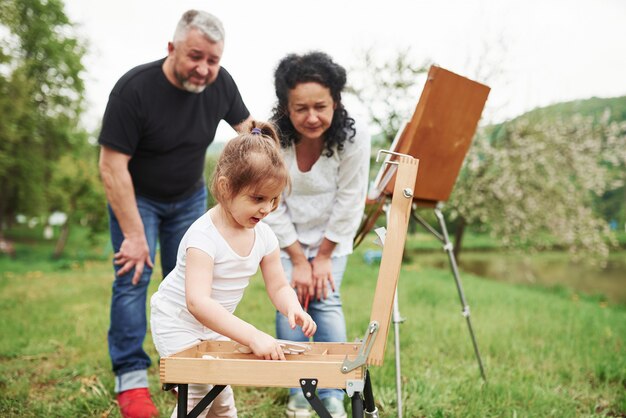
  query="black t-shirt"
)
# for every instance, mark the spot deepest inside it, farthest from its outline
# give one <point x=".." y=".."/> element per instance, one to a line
<point x="166" y="130"/>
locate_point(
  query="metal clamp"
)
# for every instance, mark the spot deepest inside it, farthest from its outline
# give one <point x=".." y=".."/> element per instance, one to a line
<point x="384" y="151"/>
<point x="364" y="351"/>
<point x="354" y="386"/>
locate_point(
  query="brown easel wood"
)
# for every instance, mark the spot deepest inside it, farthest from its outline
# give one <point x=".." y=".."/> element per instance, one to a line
<point x="440" y="132"/>
<point x="332" y="365"/>
<point x="391" y="260"/>
<point x="439" y="135"/>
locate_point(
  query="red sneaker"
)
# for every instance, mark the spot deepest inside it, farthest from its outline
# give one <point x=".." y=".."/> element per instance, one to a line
<point x="136" y="403"/>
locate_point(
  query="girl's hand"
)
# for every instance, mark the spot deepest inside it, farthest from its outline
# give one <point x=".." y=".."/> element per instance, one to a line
<point x="303" y="319"/>
<point x="265" y="346"/>
<point x="322" y="274"/>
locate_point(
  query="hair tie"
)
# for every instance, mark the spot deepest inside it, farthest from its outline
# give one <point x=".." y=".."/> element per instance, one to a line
<point x="256" y="131"/>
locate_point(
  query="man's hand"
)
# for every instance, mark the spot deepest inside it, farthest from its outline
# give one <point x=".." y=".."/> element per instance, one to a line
<point x="134" y="252"/>
<point x="118" y="185"/>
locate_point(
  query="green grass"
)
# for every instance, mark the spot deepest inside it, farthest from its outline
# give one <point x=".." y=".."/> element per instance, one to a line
<point x="547" y="353"/>
<point x="33" y="253"/>
<point x="424" y="241"/>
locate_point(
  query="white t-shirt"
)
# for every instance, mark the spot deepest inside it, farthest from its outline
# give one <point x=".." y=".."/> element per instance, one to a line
<point x="326" y="201"/>
<point x="231" y="272"/>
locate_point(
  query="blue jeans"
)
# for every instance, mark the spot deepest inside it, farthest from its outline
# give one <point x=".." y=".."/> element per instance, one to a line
<point x="166" y="222"/>
<point x="327" y="314"/>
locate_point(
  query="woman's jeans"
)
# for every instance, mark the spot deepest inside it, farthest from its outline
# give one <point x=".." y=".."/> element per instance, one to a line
<point x="166" y="222"/>
<point x="327" y="314"/>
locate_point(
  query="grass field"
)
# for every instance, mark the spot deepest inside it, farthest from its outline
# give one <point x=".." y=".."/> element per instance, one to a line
<point x="547" y="353"/>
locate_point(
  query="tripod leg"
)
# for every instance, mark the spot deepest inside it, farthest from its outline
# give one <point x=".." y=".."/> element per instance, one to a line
<point x="368" y="397"/>
<point x="397" y="320"/>
<point x="357" y="405"/>
<point x="182" y="401"/>
<point x="309" y="387"/>
<point x="455" y="271"/>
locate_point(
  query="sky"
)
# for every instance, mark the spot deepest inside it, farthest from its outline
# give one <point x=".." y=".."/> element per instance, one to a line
<point x="531" y="52"/>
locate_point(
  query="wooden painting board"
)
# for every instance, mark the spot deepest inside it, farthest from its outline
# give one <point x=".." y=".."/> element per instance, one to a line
<point x="440" y="132"/>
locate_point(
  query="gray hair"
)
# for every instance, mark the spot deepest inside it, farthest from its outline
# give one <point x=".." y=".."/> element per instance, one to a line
<point x="205" y="22"/>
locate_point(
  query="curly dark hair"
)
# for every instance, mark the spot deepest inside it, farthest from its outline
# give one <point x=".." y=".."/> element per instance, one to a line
<point x="315" y="67"/>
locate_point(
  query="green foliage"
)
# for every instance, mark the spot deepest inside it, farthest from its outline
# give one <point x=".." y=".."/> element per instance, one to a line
<point x="41" y="94"/>
<point x="75" y="187"/>
<point x="546" y="353"/>
<point x="209" y="169"/>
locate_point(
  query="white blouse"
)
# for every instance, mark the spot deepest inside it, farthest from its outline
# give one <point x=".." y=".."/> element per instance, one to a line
<point x="326" y="201"/>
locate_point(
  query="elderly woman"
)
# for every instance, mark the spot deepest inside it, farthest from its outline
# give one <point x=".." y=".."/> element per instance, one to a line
<point x="328" y="155"/>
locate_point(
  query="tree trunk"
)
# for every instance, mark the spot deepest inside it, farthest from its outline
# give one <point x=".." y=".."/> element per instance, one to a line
<point x="458" y="237"/>
<point x="6" y="246"/>
<point x="60" y="245"/>
<point x="65" y="230"/>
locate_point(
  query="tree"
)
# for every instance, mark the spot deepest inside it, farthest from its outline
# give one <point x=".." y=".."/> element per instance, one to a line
<point x="75" y="189"/>
<point x="531" y="183"/>
<point x="389" y="87"/>
<point x="41" y="95"/>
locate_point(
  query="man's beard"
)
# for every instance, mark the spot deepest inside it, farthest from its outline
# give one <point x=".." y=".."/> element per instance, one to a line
<point x="189" y="86"/>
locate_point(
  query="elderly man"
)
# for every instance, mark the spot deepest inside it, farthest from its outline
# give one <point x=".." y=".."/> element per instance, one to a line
<point x="159" y="121"/>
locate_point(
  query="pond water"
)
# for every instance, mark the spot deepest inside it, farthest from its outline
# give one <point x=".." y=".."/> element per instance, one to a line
<point x="545" y="269"/>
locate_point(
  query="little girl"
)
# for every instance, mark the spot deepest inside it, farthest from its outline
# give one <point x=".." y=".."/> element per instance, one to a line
<point x="217" y="256"/>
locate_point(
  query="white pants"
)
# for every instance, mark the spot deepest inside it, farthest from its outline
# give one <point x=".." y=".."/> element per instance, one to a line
<point x="173" y="330"/>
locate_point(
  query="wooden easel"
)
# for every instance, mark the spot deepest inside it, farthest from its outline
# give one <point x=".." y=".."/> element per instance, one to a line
<point x="439" y="134"/>
<point x="327" y="365"/>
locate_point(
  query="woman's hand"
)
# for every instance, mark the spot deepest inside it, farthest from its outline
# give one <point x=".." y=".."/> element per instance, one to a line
<point x="302" y="281"/>
<point x="265" y="346"/>
<point x="322" y="274"/>
<point x="299" y="317"/>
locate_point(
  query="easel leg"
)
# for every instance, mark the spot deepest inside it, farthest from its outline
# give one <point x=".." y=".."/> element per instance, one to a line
<point x="397" y="320"/>
<point x="357" y="405"/>
<point x="309" y="390"/>
<point x="183" y="392"/>
<point x="182" y="401"/>
<point x="368" y="396"/>
<point x="206" y="401"/>
<point x="448" y="247"/>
